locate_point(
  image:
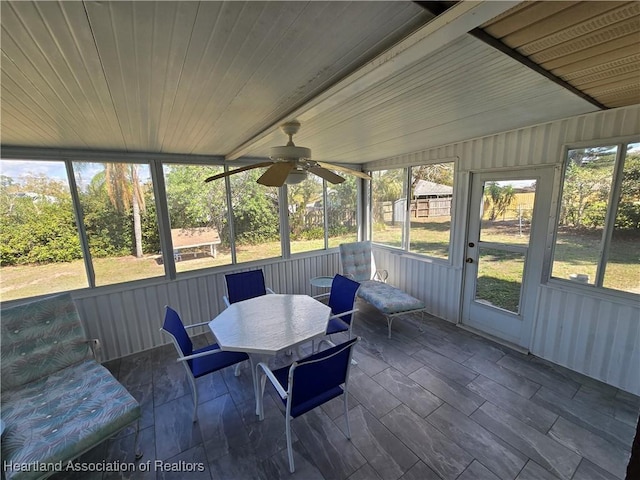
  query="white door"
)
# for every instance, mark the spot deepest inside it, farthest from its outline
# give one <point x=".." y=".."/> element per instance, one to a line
<point x="508" y="220"/>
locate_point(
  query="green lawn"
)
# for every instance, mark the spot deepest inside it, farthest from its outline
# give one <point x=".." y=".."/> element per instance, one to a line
<point x="499" y="282"/>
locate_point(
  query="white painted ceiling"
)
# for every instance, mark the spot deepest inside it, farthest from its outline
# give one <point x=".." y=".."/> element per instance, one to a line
<point x="368" y="80"/>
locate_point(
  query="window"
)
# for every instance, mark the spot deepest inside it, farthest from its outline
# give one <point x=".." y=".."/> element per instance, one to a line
<point x="598" y="232"/>
<point x="40" y="247"/>
<point x="342" y="208"/>
<point x="256" y="217"/>
<point x="389" y="206"/>
<point x="199" y="216"/>
<point x="306" y="215"/>
<point x="117" y="204"/>
<point x="423" y="225"/>
<point x="118" y="208"/>
<point x="430" y="209"/>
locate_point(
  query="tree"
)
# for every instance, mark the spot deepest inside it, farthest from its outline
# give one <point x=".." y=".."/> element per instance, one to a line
<point x="440" y="173"/>
<point x="108" y="230"/>
<point x="300" y="196"/>
<point x="587" y="183"/>
<point x="194" y="203"/>
<point x="628" y="217"/>
<point x="38" y="225"/>
<point x="255" y="209"/>
<point x="497" y="199"/>
<point x="125" y="192"/>
<point x="342" y="201"/>
<point x="387" y="186"/>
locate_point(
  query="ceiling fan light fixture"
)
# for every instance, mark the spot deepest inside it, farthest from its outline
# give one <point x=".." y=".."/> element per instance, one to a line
<point x="296" y="176"/>
<point x="289" y="153"/>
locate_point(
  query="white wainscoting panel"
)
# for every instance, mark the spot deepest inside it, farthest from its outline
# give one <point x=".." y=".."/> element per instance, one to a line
<point x="128" y="320"/>
<point x="594" y="336"/>
<point x="436" y="284"/>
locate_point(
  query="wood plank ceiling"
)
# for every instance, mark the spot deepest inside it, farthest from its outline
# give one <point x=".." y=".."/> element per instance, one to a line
<point x="594" y="46"/>
<point x="216" y="78"/>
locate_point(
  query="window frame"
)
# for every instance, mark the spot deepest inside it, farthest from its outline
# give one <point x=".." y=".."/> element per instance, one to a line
<point x="406" y="229"/>
<point x="622" y="144"/>
<point x="156" y="165"/>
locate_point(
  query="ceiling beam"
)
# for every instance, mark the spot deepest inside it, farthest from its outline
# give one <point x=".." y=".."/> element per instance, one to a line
<point x="442" y="30"/>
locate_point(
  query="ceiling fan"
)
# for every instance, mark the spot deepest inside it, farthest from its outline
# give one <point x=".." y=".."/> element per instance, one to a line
<point x="290" y="164"/>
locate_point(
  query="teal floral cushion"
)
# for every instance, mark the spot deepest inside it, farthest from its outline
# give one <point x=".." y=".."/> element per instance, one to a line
<point x="39" y="338"/>
<point x="387" y="298"/>
<point x="61" y="416"/>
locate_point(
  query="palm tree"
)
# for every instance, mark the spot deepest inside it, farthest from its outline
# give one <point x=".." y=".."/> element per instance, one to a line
<point x="497" y="198"/>
<point x="125" y="191"/>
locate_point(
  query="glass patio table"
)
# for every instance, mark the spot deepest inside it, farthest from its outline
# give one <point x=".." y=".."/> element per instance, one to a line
<point x="266" y="325"/>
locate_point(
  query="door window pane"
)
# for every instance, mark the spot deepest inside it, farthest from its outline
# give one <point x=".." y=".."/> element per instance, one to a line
<point x="388" y="202"/>
<point x="342" y="207"/>
<point x="587" y="186"/>
<point x="40" y="247"/>
<point x="198" y="213"/>
<point x="255" y="216"/>
<point x="500" y="278"/>
<point x="623" y="263"/>
<point x="120" y="220"/>
<point x="507" y="210"/>
<point x="430" y="209"/>
<point x="306" y="215"/>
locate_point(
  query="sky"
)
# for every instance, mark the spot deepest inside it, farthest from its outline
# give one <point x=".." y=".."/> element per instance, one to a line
<point x="18" y="168"/>
<point x="55" y="170"/>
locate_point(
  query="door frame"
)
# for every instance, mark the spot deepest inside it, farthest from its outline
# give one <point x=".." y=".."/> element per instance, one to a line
<point x="534" y="268"/>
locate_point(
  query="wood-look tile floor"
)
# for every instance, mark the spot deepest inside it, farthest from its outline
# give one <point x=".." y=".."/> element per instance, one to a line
<point x="438" y="404"/>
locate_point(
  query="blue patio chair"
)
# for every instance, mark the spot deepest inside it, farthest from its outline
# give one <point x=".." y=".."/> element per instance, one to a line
<point x="342" y="300"/>
<point x="201" y="361"/>
<point x="308" y="383"/>
<point x="245" y="285"/>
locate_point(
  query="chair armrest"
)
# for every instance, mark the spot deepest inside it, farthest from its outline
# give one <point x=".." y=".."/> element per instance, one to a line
<point x="381" y="275"/>
<point x="270" y="291"/>
<point x="226" y="300"/>
<point x="322" y="295"/>
<point x="343" y="313"/>
<point x="198" y="355"/>
<point x="327" y="341"/>
<point x="274" y="381"/>
<point x="196" y="325"/>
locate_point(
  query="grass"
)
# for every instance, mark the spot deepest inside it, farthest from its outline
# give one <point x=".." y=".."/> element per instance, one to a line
<point x="498" y="280"/>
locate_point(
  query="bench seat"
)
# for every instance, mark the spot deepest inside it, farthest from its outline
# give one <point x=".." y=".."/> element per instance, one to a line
<point x="61" y="416"/>
<point x="56" y="401"/>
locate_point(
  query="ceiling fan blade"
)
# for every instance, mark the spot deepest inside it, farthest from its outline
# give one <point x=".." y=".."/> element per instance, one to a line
<point x="238" y="170"/>
<point x="276" y="174"/>
<point x="339" y="168"/>
<point x="328" y="175"/>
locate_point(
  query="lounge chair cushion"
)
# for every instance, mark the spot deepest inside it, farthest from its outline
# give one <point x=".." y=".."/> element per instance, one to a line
<point x="387" y="298"/>
<point x="62" y="415"/>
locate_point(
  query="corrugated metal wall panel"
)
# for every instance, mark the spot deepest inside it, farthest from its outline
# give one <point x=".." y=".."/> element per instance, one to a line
<point x="437" y="284"/>
<point x="525" y="147"/>
<point x="596" y="337"/>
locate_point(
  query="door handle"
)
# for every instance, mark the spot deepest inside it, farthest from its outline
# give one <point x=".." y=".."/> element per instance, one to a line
<point x="469" y="260"/>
